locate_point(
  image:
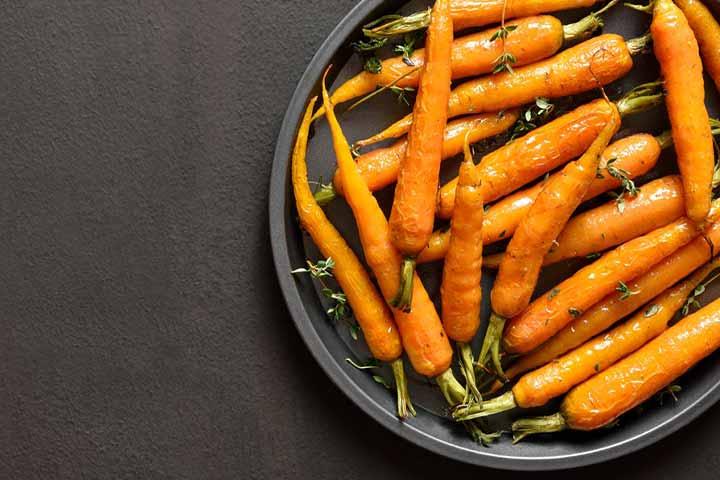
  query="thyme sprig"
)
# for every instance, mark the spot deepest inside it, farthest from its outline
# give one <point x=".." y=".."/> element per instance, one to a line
<point x="534" y="116"/>
<point x="340" y="309"/>
<point x="692" y="301"/>
<point x="625" y="291"/>
<point x="506" y="60"/>
<point x="626" y="183"/>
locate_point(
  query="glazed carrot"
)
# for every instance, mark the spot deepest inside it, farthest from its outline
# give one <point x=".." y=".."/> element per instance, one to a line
<point x="556" y="202"/>
<point x="631" y="381"/>
<point x="538" y="387"/>
<point x="656" y="204"/>
<point x="413" y="210"/>
<point x="677" y="52"/>
<point x="553" y="144"/>
<point x="612" y="308"/>
<point x="380" y="167"/>
<point x="369" y="307"/>
<point x="549" y="313"/>
<point x="707" y="33"/>
<point x="460" y="291"/>
<point x="588" y="65"/>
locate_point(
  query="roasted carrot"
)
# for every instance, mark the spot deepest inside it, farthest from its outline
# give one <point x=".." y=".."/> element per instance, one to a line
<point x="560" y="196"/>
<point x="554" y="144"/>
<point x="369" y="307"/>
<point x="549" y="313"/>
<point x="657" y="203"/>
<point x="612" y="308"/>
<point x="380" y="167"/>
<point x="413" y="210"/>
<point x="634" y="379"/>
<point x="460" y="291"/>
<point x="538" y="387"/>
<point x="677" y="52"/>
<point x="707" y="33"/>
<point x="588" y="65"/>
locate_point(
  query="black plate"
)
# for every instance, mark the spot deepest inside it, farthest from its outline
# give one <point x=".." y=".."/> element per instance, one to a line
<point x="331" y="344"/>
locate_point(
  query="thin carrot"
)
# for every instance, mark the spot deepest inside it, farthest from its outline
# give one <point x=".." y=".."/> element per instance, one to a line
<point x="538" y="387"/>
<point x="656" y="204"/>
<point x="588" y="65"/>
<point x="677" y="52"/>
<point x="707" y="33"/>
<point x="554" y="144"/>
<point x="549" y="313"/>
<point x="631" y="381"/>
<point x="369" y="307"/>
<point x="613" y="307"/>
<point x="380" y="167"/>
<point x="556" y="202"/>
<point x="460" y="291"/>
<point x="413" y="210"/>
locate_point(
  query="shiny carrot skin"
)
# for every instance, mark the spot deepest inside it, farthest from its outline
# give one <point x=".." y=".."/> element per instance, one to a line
<point x="611" y="309"/>
<point x="707" y="32"/>
<point x="380" y="167"/>
<point x="477" y="13"/>
<point x="423" y="337"/>
<point x="590" y="64"/>
<point x="549" y="313"/>
<point x="658" y="203"/>
<point x="677" y="52"/>
<point x="460" y="291"/>
<point x="369" y="307"/>
<point x="560" y="196"/>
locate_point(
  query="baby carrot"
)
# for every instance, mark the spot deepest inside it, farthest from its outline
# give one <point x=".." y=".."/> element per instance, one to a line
<point x="369" y="308"/>
<point x="538" y="387"/>
<point x="588" y="65"/>
<point x="631" y="381"/>
<point x="413" y="210"/>
<point x="707" y="33"/>
<point x="556" y="202"/>
<point x="677" y="52"/>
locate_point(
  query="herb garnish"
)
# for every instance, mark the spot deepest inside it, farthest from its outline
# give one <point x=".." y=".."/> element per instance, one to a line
<point x="625" y="291"/>
<point x="506" y="59"/>
<point x="627" y="185"/>
<point x="534" y="116"/>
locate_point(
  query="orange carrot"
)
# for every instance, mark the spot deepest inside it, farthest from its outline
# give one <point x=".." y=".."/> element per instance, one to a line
<point x="590" y="64"/>
<point x="707" y="33"/>
<point x="631" y="381"/>
<point x="369" y="307"/>
<point x="413" y="209"/>
<point x="549" y="313"/>
<point x="677" y="52"/>
<point x="558" y="199"/>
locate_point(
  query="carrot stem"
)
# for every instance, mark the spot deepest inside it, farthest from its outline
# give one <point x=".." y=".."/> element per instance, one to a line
<point x="496" y="405"/>
<point x="490" y="350"/>
<point x="641" y="98"/>
<point x="325" y="194"/>
<point x="397" y="25"/>
<point x="639" y="45"/>
<point x="467" y="368"/>
<point x="586" y="26"/>
<point x="403" y="299"/>
<point x="530" y="426"/>
<point x="404" y="405"/>
<point x="642" y="8"/>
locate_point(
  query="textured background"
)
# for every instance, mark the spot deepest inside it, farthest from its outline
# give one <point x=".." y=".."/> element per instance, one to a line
<point x="143" y="334"/>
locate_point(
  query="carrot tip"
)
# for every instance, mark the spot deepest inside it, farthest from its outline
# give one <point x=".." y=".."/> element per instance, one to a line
<point x="530" y="426"/>
<point x="405" y="407"/>
<point x="403" y="298"/>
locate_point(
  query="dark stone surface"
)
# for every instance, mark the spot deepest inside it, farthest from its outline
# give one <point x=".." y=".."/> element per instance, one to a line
<point x="143" y="332"/>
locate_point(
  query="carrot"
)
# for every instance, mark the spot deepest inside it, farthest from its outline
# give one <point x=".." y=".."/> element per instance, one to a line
<point x="549" y="313"/>
<point x="656" y="204"/>
<point x="370" y="310"/>
<point x="558" y="199"/>
<point x="677" y="52"/>
<point x="460" y="291"/>
<point x="612" y="308"/>
<point x="413" y="210"/>
<point x="554" y="144"/>
<point x="537" y="388"/>
<point x="631" y="381"/>
<point x="590" y="64"/>
<point x="380" y="167"/>
<point x="707" y="33"/>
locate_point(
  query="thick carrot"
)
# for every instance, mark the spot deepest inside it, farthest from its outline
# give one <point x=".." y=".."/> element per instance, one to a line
<point x="549" y="313"/>
<point x="707" y="33"/>
<point x="631" y="381"/>
<point x="656" y="204"/>
<point x="538" y="387"/>
<point x="380" y="167"/>
<point x="413" y="210"/>
<point x="560" y="196"/>
<point x="369" y="307"/>
<point x="546" y="148"/>
<point x="590" y="64"/>
<point x="677" y="52"/>
<point x="612" y="308"/>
